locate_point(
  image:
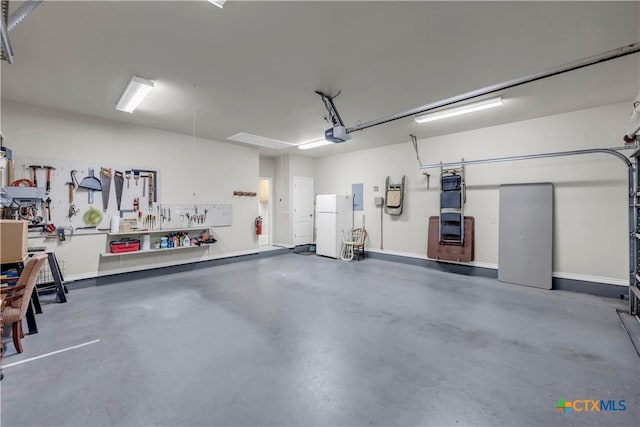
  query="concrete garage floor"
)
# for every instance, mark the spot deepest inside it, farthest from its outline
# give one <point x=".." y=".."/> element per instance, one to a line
<point x="305" y="340"/>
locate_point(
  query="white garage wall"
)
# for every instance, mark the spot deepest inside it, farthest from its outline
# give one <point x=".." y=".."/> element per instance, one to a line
<point x="267" y="167"/>
<point x="590" y="241"/>
<point x="283" y="234"/>
<point x="190" y="171"/>
<point x="302" y="166"/>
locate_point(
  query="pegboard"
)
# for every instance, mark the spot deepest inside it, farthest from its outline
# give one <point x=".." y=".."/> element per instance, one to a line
<point x="59" y="193"/>
<point x="217" y="215"/>
<point x="196" y="215"/>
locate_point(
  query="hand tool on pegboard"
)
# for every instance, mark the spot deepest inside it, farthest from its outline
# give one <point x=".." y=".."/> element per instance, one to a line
<point x="72" y="211"/>
<point x="34" y="169"/>
<point x="47" y="206"/>
<point x="73" y="186"/>
<point x="144" y="185"/>
<point x="49" y="169"/>
<point x="91" y="183"/>
<point x="118" y="179"/>
<point x="151" y="184"/>
<point x="74" y="179"/>
<point x="127" y="175"/>
<point x="105" y="183"/>
<point x="155" y="180"/>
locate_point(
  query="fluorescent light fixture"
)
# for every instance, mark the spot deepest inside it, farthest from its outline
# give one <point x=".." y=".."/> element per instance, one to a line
<point x="314" y="144"/>
<point x="137" y="89"/>
<point x="463" y="109"/>
<point x="218" y="3"/>
<point x="260" y="141"/>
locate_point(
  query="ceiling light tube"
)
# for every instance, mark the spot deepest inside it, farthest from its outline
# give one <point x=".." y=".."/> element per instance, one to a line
<point x="463" y="109"/>
<point x="137" y="89"/>
<point x="218" y="3"/>
<point x="314" y="144"/>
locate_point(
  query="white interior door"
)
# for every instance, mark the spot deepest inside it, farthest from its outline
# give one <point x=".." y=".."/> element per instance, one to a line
<point x="302" y="210"/>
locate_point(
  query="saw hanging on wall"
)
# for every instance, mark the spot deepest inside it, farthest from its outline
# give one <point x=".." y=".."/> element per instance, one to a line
<point x="118" y="178"/>
<point x="105" y="183"/>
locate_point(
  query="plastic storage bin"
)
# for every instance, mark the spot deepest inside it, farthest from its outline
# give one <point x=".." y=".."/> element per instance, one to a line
<point x="121" y="246"/>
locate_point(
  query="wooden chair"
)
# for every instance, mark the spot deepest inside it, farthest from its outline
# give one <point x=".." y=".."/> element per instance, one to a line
<point x="353" y="245"/>
<point x="18" y="298"/>
<point x="359" y="237"/>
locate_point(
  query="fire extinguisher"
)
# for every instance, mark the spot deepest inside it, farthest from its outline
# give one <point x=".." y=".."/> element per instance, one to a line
<point x="259" y="225"/>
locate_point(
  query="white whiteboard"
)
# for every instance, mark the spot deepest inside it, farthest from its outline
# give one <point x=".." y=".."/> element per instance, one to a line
<point x="196" y="215"/>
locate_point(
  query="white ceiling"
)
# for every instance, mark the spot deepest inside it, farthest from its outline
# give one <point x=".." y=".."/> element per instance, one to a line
<point x="255" y="65"/>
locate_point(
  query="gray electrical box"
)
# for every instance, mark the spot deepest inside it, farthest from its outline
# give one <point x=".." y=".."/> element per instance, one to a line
<point x="379" y="201"/>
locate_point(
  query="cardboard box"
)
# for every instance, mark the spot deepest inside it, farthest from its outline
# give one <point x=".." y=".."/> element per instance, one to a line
<point x="13" y="240"/>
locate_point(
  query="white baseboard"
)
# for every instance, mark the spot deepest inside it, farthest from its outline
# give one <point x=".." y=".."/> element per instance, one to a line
<point x="284" y="245"/>
<point x="420" y="256"/>
<point x="558" y="274"/>
<point x="82" y="276"/>
<point x="587" y="278"/>
<point x="232" y="254"/>
<point x="396" y="253"/>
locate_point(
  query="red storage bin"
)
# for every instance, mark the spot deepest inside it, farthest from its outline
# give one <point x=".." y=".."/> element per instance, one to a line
<point x="125" y="246"/>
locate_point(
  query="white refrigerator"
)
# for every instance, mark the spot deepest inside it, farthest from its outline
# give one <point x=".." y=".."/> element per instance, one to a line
<point x="333" y="218"/>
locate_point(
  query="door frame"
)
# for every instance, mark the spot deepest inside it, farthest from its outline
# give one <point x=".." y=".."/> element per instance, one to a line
<point x="270" y="209"/>
<point x="312" y="210"/>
